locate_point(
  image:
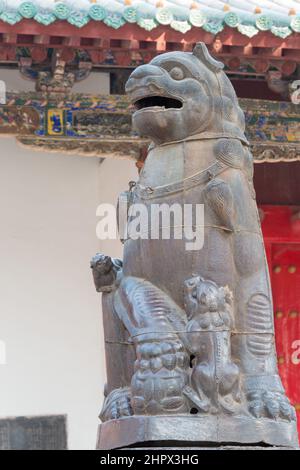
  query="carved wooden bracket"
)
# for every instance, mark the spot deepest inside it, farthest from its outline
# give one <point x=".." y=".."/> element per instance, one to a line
<point x="57" y="75"/>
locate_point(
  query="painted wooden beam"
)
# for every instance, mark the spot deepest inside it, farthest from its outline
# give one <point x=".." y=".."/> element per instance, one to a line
<point x="101" y="126"/>
<point x="94" y="29"/>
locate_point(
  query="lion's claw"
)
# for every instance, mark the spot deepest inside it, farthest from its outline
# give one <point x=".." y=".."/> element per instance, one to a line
<point x="272" y="405"/>
<point x="117" y="405"/>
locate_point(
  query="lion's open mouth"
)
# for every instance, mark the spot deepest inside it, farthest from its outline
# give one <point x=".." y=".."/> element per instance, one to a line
<point x="157" y="101"/>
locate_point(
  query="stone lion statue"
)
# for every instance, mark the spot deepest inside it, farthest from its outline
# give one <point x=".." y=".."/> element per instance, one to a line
<point x="189" y="333"/>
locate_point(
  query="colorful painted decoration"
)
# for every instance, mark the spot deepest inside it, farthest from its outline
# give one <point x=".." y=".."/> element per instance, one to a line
<point x="266" y="121"/>
<point x="55" y="120"/>
<point x="18" y="119"/>
<point x="98" y="124"/>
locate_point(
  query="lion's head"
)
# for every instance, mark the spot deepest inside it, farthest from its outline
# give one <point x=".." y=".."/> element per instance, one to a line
<point x="180" y="94"/>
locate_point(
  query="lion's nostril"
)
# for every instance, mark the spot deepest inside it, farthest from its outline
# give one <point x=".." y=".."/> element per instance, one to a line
<point x="139" y="73"/>
<point x="146" y="70"/>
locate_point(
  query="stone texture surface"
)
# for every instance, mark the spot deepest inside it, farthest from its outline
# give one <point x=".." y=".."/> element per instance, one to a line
<point x="189" y="327"/>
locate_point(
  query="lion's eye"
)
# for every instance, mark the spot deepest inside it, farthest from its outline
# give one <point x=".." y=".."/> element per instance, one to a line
<point x="177" y="73"/>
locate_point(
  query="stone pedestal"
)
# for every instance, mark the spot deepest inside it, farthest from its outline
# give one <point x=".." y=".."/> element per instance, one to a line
<point x="194" y="431"/>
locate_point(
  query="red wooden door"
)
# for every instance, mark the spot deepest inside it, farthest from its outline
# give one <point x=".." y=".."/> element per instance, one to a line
<point x="285" y="276"/>
<point x="281" y="228"/>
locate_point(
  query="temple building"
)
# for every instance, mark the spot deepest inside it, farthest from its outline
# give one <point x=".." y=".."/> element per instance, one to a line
<point x="67" y="145"/>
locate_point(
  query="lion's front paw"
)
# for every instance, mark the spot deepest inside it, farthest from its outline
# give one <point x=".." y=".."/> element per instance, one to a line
<point x="271" y="405"/>
<point x="117" y="405"/>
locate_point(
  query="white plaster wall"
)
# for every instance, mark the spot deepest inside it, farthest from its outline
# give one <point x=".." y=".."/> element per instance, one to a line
<point x="50" y="315"/>
<point x="51" y="344"/>
<point x="14" y="81"/>
<point x="97" y="82"/>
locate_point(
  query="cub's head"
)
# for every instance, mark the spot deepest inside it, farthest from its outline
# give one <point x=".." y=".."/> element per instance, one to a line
<point x="101" y="264"/>
<point x="203" y="296"/>
<point x="179" y="94"/>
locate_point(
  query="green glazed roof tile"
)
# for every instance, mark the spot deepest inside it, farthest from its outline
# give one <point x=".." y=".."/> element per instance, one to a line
<point x="61" y="11"/>
<point x="45" y="18"/>
<point x="164" y="15"/>
<point x="281" y="31"/>
<point x="181" y="26"/>
<point x="97" y="12"/>
<point x="10" y="17"/>
<point x="197" y="18"/>
<point x="130" y="14"/>
<point x="27" y="9"/>
<point x="264" y="22"/>
<point x="78" y="18"/>
<point x="249" y="17"/>
<point x="232" y="19"/>
<point x="295" y="24"/>
<point x="247" y="30"/>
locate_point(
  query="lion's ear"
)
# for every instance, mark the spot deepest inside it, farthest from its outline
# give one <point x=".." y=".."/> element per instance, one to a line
<point x="201" y="52"/>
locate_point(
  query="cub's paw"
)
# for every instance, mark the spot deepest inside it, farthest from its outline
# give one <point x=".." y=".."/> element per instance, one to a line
<point x="117" y="405"/>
